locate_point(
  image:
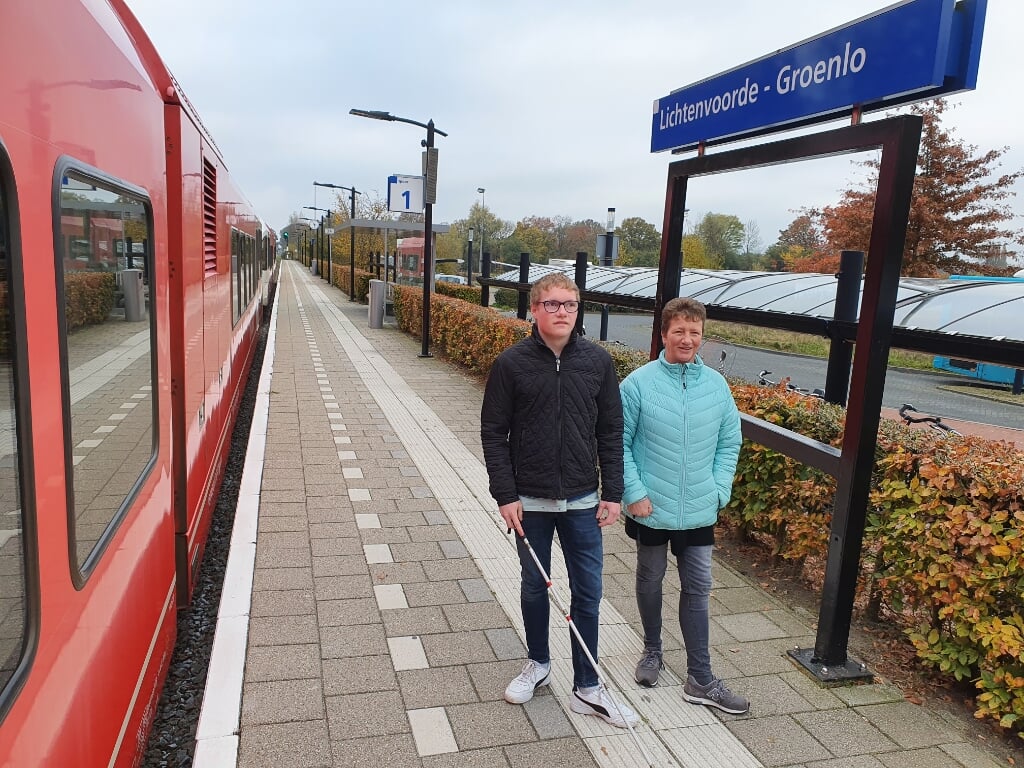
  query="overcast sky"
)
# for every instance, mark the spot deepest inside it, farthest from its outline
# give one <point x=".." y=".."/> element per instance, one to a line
<point x="547" y="103"/>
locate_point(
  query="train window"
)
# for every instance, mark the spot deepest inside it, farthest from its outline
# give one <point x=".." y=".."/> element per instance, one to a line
<point x="108" y="357"/>
<point x="236" y="292"/>
<point x="14" y="602"/>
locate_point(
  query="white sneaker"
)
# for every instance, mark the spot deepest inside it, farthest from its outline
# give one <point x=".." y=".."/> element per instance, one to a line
<point x="533" y="676"/>
<point x="601" y="704"/>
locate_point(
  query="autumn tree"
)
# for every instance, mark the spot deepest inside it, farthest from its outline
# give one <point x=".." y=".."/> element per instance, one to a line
<point x="957" y="208"/>
<point x="639" y="243"/>
<point x="722" y="236"/>
<point x="695" y="256"/>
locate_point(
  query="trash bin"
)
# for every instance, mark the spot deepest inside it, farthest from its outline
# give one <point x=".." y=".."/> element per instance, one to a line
<point x="312" y="267"/>
<point x="376" y="297"/>
<point x="134" y="301"/>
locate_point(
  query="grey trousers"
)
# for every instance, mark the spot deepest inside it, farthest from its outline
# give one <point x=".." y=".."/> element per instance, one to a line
<point x="695" y="590"/>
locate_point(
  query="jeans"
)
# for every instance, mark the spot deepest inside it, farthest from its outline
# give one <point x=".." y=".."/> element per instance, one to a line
<point x="694" y="595"/>
<point x="583" y="549"/>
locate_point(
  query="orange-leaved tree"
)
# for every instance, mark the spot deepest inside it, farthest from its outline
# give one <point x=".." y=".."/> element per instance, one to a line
<point x="957" y="213"/>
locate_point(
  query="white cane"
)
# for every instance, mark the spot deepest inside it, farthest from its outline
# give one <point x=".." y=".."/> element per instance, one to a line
<point x="586" y="651"/>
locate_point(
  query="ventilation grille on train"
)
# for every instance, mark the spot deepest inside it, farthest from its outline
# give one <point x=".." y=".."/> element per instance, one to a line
<point x="209" y="218"/>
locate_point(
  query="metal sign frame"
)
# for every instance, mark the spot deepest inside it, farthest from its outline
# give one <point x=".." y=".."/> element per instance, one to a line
<point x="898" y="138"/>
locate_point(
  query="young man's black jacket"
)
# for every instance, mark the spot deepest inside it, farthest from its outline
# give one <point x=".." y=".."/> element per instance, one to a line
<point x="547" y="422"/>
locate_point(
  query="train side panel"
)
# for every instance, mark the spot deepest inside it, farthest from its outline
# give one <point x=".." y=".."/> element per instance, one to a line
<point x="104" y="629"/>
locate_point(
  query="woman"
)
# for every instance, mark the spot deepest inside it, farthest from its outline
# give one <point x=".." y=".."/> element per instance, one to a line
<point x="681" y="441"/>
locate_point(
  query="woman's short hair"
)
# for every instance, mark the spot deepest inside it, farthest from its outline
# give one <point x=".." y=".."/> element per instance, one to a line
<point x="552" y="280"/>
<point x="684" y="307"/>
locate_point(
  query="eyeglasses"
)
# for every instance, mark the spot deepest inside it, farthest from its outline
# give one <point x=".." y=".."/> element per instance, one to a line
<point x="551" y="307"/>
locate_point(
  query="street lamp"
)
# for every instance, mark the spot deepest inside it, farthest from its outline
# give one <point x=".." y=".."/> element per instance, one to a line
<point x="311" y="226"/>
<point x="483" y="230"/>
<point x="321" y="235"/>
<point x="430" y="192"/>
<point x="352" y="191"/>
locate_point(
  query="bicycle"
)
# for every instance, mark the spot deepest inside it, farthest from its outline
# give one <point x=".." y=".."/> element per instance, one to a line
<point x="719" y="353"/>
<point x="764" y="381"/>
<point x="934" y="422"/>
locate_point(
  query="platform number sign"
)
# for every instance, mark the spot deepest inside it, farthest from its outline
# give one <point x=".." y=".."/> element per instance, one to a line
<point x="405" y="194"/>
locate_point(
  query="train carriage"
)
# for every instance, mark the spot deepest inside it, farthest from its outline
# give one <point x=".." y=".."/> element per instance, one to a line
<point x="130" y="299"/>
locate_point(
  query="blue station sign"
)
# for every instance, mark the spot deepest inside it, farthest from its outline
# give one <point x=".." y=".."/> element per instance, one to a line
<point x="911" y="51"/>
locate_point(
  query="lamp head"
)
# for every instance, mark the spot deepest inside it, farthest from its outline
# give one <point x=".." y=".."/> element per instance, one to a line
<point x="373" y="114"/>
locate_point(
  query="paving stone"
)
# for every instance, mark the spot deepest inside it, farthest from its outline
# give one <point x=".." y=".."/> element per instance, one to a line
<point x="457" y="648"/>
<point x="282" y="662"/>
<point x="477" y="758"/>
<point x="932" y="757"/>
<point x="453" y="549"/>
<point x="291" y="602"/>
<point x="548" y="718"/>
<point x="506" y="643"/>
<point x="844" y="732"/>
<point x="362" y="674"/>
<point x="434" y="593"/>
<point x="283" y="630"/>
<point x="428" y="620"/>
<point x="342" y="642"/>
<point x="282" y="579"/>
<point x="340" y="565"/>
<point x="295" y="744"/>
<point x="476" y="590"/>
<point x="284" y="558"/>
<point x="489" y="724"/>
<point x="342" y="587"/>
<point x="907" y="724"/>
<point x="778" y="740"/>
<point x="360" y="610"/>
<point x="470" y="616"/>
<point x="568" y="752"/>
<point x="282" y="701"/>
<point x="440" y="687"/>
<point x="360" y="715"/>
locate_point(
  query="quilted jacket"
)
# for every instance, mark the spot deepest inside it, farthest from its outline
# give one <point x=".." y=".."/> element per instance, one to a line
<point x="681" y="437"/>
<point x="547" y="423"/>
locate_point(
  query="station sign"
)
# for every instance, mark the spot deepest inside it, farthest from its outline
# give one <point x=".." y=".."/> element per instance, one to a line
<point x="908" y="52"/>
<point x="405" y="194"/>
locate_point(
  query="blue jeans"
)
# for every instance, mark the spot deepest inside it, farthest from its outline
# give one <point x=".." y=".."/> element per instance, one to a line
<point x="583" y="549"/>
<point x="694" y="597"/>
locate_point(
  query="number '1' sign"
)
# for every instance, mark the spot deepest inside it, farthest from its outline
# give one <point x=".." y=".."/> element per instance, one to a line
<point x="405" y="194"/>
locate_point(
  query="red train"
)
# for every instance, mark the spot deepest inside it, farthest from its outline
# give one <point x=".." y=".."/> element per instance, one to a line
<point x="131" y="276"/>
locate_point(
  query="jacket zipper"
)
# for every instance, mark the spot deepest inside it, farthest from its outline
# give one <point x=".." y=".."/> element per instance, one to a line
<point x="558" y="403"/>
<point x="682" y="479"/>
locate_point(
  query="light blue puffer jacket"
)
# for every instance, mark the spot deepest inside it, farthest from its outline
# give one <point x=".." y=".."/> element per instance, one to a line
<point x="682" y="440"/>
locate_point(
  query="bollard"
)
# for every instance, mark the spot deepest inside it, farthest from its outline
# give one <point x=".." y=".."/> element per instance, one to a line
<point x="376" y="297"/>
<point x="134" y="301"/>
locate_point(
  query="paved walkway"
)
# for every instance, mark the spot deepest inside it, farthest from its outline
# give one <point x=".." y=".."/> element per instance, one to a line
<point x="374" y="619"/>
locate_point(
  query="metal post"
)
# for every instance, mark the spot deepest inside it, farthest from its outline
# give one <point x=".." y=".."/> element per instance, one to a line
<point x="352" y="246"/>
<point x="428" y="252"/>
<point x="469" y="259"/>
<point x="606" y="261"/>
<point x="330" y="242"/>
<point x="840" y="352"/>
<point x="524" y="277"/>
<point x="485" y="273"/>
<point x="1018" y="381"/>
<point x="581" y="283"/>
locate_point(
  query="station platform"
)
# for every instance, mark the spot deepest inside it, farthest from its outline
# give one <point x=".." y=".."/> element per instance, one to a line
<point x="370" y="614"/>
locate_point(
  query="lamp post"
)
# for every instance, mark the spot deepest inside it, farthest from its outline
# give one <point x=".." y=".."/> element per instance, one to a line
<point x="311" y="226"/>
<point x="469" y="259"/>
<point x="606" y="261"/>
<point x="483" y="230"/>
<point x="352" y="192"/>
<point x="430" y="167"/>
<point x="321" y="236"/>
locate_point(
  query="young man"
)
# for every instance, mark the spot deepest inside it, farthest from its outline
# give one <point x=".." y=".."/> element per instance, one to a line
<point x="551" y="416"/>
<point x="682" y="441"/>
